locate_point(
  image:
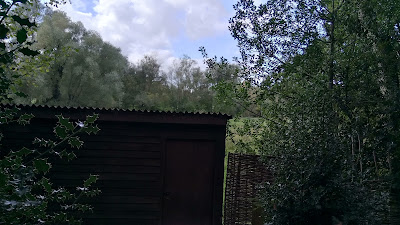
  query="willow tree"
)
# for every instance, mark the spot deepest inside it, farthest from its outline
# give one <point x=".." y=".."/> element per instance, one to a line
<point x="82" y="69"/>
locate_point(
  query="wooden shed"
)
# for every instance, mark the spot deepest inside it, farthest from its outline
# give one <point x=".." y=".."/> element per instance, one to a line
<point x="154" y="167"/>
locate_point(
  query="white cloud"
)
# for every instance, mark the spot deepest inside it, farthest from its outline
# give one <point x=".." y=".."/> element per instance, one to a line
<point x="142" y="27"/>
<point x="203" y="19"/>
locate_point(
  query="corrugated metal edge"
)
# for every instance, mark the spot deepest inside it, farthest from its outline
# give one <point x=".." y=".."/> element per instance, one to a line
<point x="119" y="110"/>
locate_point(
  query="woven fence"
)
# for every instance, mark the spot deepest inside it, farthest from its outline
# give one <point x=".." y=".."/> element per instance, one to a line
<point x="245" y="174"/>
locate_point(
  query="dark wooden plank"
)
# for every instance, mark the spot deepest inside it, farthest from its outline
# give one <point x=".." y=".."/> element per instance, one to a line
<point x="149" y="207"/>
<point x="141" y="215"/>
<point x="119" y="221"/>
<point x="132" y="191"/>
<point x="112" y="161"/>
<point x="106" y="176"/>
<point x="111" y="139"/>
<point x="122" y="146"/>
<point x="120" y="199"/>
<point x="72" y="168"/>
<point x="143" y="154"/>
<point x="124" y="213"/>
<point x="120" y="184"/>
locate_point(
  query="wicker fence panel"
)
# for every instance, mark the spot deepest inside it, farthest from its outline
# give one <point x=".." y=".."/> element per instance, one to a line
<point x="244" y="175"/>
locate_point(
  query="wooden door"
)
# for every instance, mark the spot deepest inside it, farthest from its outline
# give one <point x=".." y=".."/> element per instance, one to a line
<point x="188" y="183"/>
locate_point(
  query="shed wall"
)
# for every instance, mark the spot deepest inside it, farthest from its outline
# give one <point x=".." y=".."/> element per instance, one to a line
<point x="129" y="159"/>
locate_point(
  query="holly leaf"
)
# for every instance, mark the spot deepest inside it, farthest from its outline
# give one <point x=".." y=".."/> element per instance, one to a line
<point x="61" y="131"/>
<point x="25" y="119"/>
<point x="92" y="179"/>
<point x="71" y="156"/>
<point x="65" y="122"/>
<point x="62" y="154"/>
<point x="41" y="165"/>
<point x="91" y="129"/>
<point x="24" y="152"/>
<point x="92" y="119"/>
<point x="75" y="142"/>
<point x="45" y="182"/>
<point x="22" y="35"/>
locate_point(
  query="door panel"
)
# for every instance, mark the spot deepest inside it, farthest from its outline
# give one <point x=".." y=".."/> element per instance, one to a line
<point x="188" y="184"/>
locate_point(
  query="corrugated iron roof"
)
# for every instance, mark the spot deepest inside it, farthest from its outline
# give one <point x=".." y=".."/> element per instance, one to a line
<point x="117" y="114"/>
<point x="114" y="109"/>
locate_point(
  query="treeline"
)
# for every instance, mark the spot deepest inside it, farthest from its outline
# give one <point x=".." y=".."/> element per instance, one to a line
<point x="78" y="68"/>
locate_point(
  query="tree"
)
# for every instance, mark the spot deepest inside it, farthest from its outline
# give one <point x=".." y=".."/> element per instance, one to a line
<point x="145" y="86"/>
<point x="323" y="76"/>
<point x="85" y="71"/>
<point x="183" y="87"/>
<point x="190" y="90"/>
<point x="26" y="194"/>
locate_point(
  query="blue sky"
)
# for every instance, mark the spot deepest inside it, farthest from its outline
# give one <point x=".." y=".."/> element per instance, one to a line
<point x="166" y="29"/>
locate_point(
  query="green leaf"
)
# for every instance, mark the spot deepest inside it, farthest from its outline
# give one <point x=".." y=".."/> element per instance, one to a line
<point x="92" y="119"/>
<point x="23" y="22"/>
<point x="92" y="179"/>
<point x="62" y="154"/>
<point x="25" y="119"/>
<point x="46" y="184"/>
<point x="91" y="129"/>
<point x="71" y="156"/>
<point x="44" y="143"/>
<point x="17" y="162"/>
<point x="28" y="52"/>
<point x="92" y="193"/>
<point x="75" y="142"/>
<point x="3" y="179"/>
<point x="30" y="197"/>
<point x="6" y="162"/>
<point x="95" y="129"/>
<point x="24" y="152"/>
<point x="2" y="45"/>
<point x="22" y="35"/>
<point x="7" y="58"/>
<point x="68" y="155"/>
<point x="82" y="207"/>
<point x="41" y="165"/>
<point x="22" y="1"/>
<point x="61" y="131"/>
<point x="21" y="94"/>
<point x="65" y="122"/>
<point x="3" y="31"/>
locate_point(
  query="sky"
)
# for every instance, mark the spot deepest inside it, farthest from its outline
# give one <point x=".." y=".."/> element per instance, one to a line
<point x="165" y="29"/>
